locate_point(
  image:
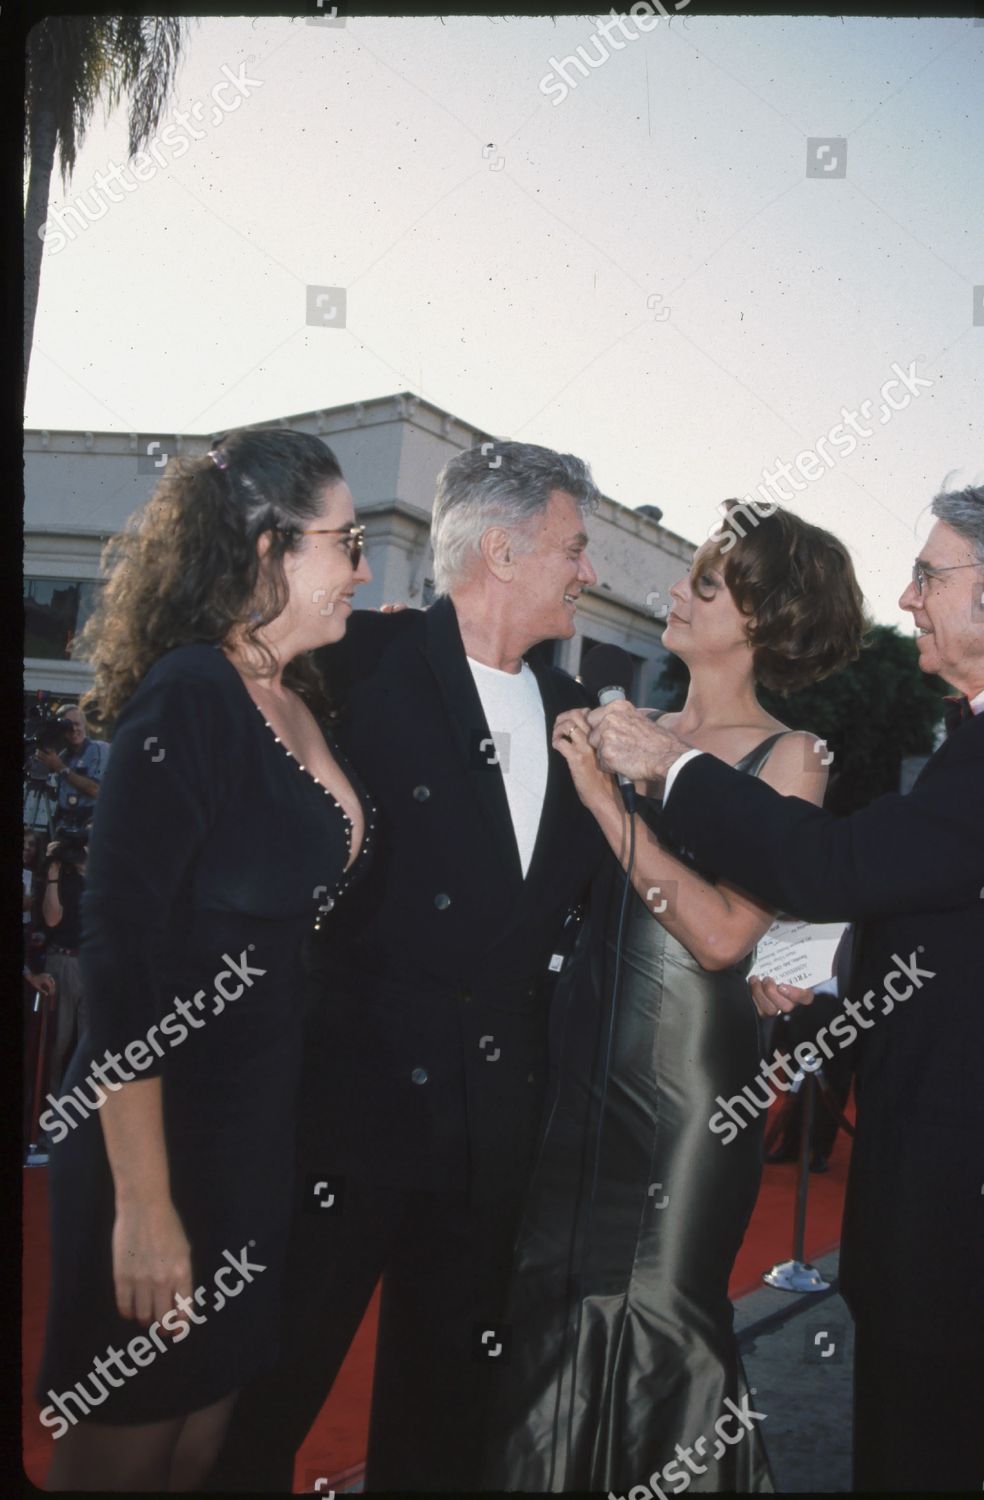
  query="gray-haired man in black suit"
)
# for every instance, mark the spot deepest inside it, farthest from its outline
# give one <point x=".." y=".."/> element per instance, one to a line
<point x="427" y="1062"/>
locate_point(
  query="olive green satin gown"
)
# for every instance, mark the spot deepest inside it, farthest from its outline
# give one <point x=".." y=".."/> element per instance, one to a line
<point x="620" y="1326"/>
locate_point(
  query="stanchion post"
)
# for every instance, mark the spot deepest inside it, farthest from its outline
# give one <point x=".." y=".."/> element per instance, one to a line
<point x="45" y="1004"/>
<point x="803" y="1165"/>
<point x="797" y="1275"/>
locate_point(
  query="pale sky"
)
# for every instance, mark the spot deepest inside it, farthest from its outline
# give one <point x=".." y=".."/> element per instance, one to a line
<point x="641" y="272"/>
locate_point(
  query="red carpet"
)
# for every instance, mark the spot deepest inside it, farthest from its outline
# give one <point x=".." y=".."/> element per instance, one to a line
<point x="336" y="1446"/>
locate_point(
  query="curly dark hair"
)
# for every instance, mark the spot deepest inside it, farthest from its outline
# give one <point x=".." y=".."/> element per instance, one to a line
<point x="185" y="569"/>
<point x="796" y="583"/>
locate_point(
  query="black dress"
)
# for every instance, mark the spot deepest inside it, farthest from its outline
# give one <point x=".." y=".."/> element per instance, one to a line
<point x="621" y="1327"/>
<point x="213" y="851"/>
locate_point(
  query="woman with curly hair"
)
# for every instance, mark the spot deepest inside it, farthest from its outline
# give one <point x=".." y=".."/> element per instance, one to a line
<point x="623" y="1352"/>
<point x="227" y="825"/>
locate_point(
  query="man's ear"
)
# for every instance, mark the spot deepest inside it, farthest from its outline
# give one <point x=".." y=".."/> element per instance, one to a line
<point x="498" y="552"/>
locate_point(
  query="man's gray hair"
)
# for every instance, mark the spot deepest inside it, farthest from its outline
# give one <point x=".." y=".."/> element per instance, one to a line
<point x="498" y="484"/>
<point x="963" y="511"/>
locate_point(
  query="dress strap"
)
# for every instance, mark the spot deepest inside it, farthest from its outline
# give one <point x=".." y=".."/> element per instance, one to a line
<point x="756" y="758"/>
<point x="753" y="762"/>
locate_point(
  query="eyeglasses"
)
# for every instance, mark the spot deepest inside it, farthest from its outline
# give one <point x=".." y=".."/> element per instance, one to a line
<point x="356" y="539"/>
<point x="922" y="571"/>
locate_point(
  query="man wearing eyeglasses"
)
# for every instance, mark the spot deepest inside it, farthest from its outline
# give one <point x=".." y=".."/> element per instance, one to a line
<point x="910" y="871"/>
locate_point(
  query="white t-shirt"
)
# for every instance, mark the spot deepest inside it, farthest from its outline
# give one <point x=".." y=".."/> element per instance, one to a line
<point x="514" y="710"/>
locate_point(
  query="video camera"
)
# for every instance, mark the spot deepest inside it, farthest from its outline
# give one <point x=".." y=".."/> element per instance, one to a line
<point x="71" y="847"/>
<point x="42" y="731"/>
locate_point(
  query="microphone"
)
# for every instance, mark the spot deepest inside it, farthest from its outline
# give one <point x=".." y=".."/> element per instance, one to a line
<point x="607" y="674"/>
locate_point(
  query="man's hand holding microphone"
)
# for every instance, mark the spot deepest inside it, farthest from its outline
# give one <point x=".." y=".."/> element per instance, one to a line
<point x="628" y="742"/>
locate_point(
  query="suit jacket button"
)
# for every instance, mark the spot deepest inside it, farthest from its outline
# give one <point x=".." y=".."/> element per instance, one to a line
<point x="421" y="793"/>
<point x="441" y="901"/>
<point x="466" y="995"/>
<point x="419" y="1075"/>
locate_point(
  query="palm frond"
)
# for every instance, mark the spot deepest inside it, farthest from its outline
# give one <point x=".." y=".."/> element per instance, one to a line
<point x="147" y="50"/>
<point x="74" y="62"/>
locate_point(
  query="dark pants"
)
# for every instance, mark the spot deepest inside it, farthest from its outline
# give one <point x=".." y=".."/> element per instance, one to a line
<point x="917" y="1416"/>
<point x="69" y="1012"/>
<point x="445" y="1267"/>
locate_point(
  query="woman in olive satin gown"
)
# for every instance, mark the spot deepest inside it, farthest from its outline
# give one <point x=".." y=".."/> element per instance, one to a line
<point x="623" y="1359"/>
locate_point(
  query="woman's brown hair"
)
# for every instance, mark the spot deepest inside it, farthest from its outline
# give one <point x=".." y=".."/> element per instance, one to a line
<point x="796" y="583"/>
<point x="185" y="569"/>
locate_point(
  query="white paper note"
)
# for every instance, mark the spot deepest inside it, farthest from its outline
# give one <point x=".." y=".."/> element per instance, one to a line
<point x="796" y="952"/>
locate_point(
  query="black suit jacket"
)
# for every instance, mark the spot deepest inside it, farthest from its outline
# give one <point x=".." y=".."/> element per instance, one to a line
<point x="431" y="981"/>
<point x="910" y="870"/>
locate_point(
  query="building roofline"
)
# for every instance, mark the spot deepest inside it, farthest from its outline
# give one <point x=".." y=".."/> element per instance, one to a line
<point x="406" y="404"/>
<point x="408" y="408"/>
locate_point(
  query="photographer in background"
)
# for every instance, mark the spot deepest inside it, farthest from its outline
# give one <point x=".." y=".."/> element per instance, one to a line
<point x="61" y="888"/>
<point x="80" y="767"/>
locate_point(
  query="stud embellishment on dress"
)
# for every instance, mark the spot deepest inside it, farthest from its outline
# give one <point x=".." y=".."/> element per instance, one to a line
<point x="299" y="764"/>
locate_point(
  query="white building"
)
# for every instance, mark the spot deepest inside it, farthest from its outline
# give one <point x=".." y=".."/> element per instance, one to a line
<point x="81" y="487"/>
